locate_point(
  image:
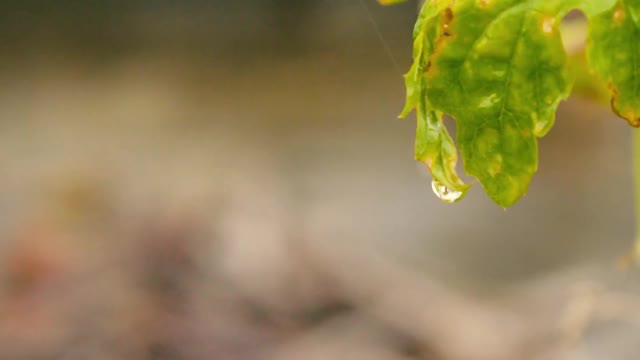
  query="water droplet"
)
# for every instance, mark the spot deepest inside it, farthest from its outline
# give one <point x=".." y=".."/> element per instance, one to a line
<point x="444" y="193"/>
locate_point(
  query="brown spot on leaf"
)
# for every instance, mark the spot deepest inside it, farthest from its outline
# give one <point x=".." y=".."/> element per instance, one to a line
<point x="628" y="114"/>
<point x="446" y="17"/>
<point x="428" y="66"/>
<point x="618" y="15"/>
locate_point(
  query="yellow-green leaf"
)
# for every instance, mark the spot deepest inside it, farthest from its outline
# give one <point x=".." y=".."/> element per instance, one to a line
<point x="499" y="67"/>
<point x="500" y="71"/>
<point x="614" y="52"/>
<point x="434" y="145"/>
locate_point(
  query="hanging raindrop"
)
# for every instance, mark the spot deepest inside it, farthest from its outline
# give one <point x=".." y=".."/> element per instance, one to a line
<point x="444" y="193"/>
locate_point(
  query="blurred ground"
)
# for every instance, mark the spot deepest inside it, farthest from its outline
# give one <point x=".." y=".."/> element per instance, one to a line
<point x="226" y="180"/>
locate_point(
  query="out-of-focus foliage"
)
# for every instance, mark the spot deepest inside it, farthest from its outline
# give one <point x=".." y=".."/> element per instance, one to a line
<point x="614" y="52"/>
<point x="391" y="2"/>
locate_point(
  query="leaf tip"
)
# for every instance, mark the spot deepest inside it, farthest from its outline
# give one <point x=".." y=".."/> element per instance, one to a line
<point x="627" y="113"/>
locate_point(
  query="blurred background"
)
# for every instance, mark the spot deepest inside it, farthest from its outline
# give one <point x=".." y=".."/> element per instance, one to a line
<point x="220" y="179"/>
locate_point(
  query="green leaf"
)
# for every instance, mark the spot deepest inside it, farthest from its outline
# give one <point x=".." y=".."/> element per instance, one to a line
<point x="614" y="52"/>
<point x="500" y="71"/>
<point x="434" y="145"/>
<point x="425" y="33"/>
<point x="435" y="148"/>
<point x="592" y="7"/>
